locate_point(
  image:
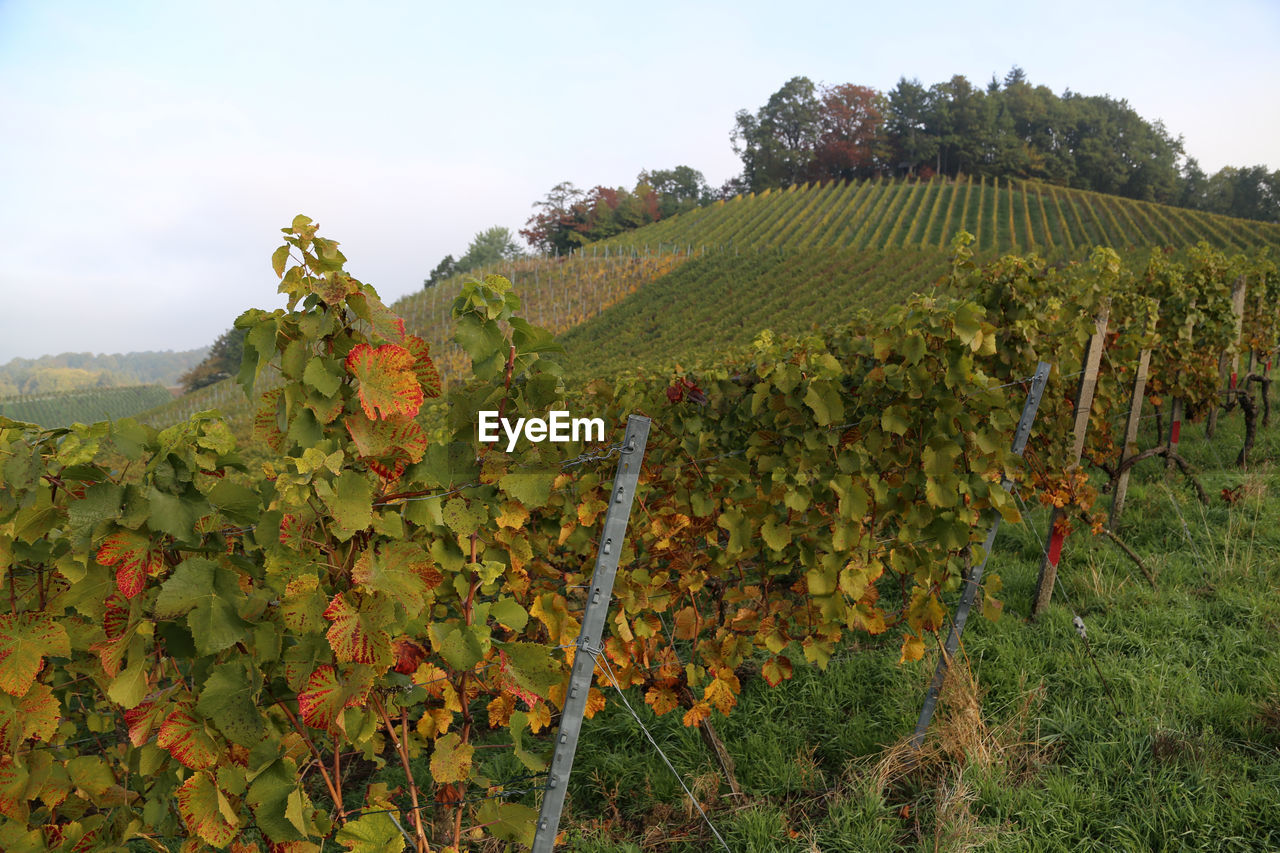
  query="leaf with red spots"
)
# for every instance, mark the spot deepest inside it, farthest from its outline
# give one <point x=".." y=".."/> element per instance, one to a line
<point x="116" y="625"/>
<point x="35" y="715"/>
<point x="388" y="385"/>
<point x="402" y="571"/>
<point x="387" y="446"/>
<point x="290" y="530"/>
<point x="25" y="640"/>
<point x="356" y="633"/>
<point x="207" y="811"/>
<point x="423" y="366"/>
<point x="144" y="718"/>
<point x="268" y="420"/>
<point x="186" y="740"/>
<point x="327" y="694"/>
<point x="368" y="307"/>
<point x="128" y="552"/>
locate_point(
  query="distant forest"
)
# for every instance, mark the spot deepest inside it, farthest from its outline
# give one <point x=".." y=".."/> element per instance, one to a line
<point x="69" y="371"/>
<point x="1008" y="129"/>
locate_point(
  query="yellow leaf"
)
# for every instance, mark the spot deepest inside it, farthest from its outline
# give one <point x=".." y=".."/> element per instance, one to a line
<point x="661" y="699"/>
<point x="912" y="649"/>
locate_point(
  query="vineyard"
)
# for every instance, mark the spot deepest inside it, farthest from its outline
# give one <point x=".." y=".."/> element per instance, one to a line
<point x="1004" y="216"/>
<point x="84" y="406"/>
<point x="365" y="637"/>
<point x="718" y="302"/>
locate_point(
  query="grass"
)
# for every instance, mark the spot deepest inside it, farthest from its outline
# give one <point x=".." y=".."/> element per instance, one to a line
<point x="1171" y="743"/>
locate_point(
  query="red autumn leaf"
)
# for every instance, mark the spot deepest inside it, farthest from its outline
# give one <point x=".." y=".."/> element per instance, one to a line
<point x="423" y="367"/>
<point x="115" y="624"/>
<point x="186" y="740"/>
<point x="143" y="719"/>
<point x="128" y="552"/>
<point x="776" y="670"/>
<point x="322" y="702"/>
<point x="388" y="385"/>
<point x="387" y="446"/>
<point x="204" y="810"/>
<point x="355" y="635"/>
<point x="408" y="655"/>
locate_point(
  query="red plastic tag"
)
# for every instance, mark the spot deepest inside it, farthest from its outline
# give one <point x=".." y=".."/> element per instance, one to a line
<point x="1173" y="433"/>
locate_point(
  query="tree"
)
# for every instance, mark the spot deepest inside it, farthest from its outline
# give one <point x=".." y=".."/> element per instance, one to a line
<point x="489" y="247"/>
<point x="679" y="189"/>
<point x="222" y="362"/>
<point x="915" y="143"/>
<point x="851" y="142"/>
<point x="778" y="143"/>
<point x="549" y="228"/>
<point x="447" y="267"/>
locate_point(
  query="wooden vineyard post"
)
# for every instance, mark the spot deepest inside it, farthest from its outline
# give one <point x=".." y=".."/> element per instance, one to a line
<point x="593" y="618"/>
<point x="1084" y="402"/>
<point x="971" y="583"/>
<point x="1129" y="449"/>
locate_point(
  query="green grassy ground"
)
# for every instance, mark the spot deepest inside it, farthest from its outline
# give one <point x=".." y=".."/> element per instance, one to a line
<point x="1171" y="743"/>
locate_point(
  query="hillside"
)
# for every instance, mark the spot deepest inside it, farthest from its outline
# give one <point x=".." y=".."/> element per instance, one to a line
<point x="1003" y="215"/>
<point x="833" y="248"/>
<point x="85" y="405"/>
<point x="721" y="301"/>
<point x="72" y="370"/>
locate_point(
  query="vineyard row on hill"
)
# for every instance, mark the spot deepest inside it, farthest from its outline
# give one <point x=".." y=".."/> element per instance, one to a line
<point x="84" y="405"/>
<point x="1004" y="215"/>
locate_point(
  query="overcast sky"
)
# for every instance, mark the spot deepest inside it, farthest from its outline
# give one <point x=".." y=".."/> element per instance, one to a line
<point x="150" y="151"/>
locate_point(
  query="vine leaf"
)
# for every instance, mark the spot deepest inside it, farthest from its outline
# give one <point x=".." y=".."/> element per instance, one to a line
<point x="451" y="759"/>
<point x="423" y="367"/>
<point x="186" y="740"/>
<point x="356" y="633"/>
<point x="25" y="640"/>
<point x="388" y="385"/>
<point x="128" y="552"/>
<point x="209" y="593"/>
<point x="206" y="810"/>
<point x="372" y="833"/>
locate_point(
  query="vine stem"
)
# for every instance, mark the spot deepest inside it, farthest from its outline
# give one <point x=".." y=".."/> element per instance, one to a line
<point x="401" y="745"/>
<point x="324" y="773"/>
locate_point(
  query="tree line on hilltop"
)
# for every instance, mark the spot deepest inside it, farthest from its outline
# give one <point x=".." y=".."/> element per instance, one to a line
<point x="808" y="132"/>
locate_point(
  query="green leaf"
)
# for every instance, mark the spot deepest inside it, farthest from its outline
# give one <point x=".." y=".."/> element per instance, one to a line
<point x="530" y="487"/>
<point x="210" y="594"/>
<point x="402" y="571"/>
<point x="518" y="723"/>
<point x="323" y="375"/>
<point x="462" y="646"/>
<point x="351" y="503"/>
<point x="824" y="398"/>
<point x="532" y="666"/>
<point x="229" y="698"/>
<point x="238" y="503"/>
<point x="508" y="821"/>
<point x="509" y="612"/>
<point x="896" y="420"/>
<point x="279" y="258"/>
<point x="173" y="514"/>
<point x="276" y="801"/>
<point x="373" y="833"/>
